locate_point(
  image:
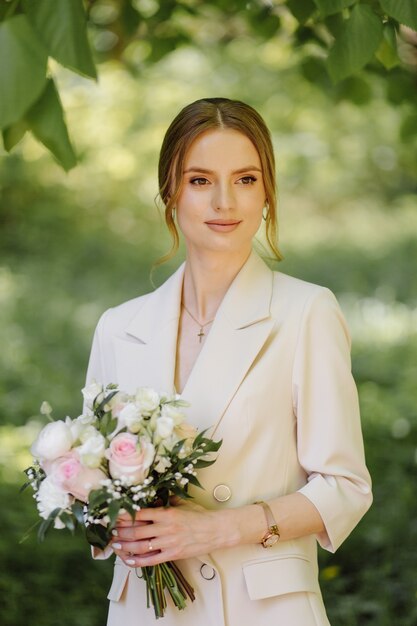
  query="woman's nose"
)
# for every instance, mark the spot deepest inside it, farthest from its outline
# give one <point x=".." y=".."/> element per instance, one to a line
<point x="223" y="197"/>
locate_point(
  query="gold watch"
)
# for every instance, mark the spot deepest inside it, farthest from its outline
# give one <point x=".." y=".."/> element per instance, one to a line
<point x="272" y="535"/>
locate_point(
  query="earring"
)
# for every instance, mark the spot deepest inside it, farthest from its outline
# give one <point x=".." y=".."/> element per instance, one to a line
<point x="173" y="214"/>
<point x="265" y="211"/>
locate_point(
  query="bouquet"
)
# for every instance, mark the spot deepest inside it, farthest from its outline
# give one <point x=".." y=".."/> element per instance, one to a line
<point x="124" y="453"/>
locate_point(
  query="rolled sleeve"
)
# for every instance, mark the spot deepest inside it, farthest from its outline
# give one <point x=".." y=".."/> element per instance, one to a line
<point x="329" y="435"/>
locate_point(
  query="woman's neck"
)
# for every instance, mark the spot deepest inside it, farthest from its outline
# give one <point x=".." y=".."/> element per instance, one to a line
<point x="207" y="277"/>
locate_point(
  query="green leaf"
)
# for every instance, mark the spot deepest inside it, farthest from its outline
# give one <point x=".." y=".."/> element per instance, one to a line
<point x="301" y="10"/>
<point x="387" y="51"/>
<point x="46" y="121"/>
<point x="14" y="133"/>
<point x="96" y="498"/>
<point x="77" y="510"/>
<point x="113" y="512"/>
<point x="193" y="480"/>
<point x="355" y="89"/>
<point x="408" y="129"/>
<point x="200" y="464"/>
<point x="357" y="43"/>
<point x="22" y="69"/>
<point x="405" y="11"/>
<point x="328" y="7"/>
<point x="69" y="521"/>
<point x="62" y="27"/>
<point x="46" y="524"/>
<point x="97" y="536"/>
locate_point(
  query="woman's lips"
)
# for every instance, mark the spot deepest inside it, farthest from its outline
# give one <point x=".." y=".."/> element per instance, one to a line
<point x="222" y="227"/>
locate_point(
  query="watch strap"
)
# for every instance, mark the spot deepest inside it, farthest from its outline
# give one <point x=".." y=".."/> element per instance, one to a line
<point x="270" y="519"/>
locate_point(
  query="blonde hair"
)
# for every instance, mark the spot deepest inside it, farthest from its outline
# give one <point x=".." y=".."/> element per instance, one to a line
<point x="191" y="121"/>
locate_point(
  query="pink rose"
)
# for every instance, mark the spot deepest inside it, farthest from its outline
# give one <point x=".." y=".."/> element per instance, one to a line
<point x="72" y="476"/>
<point x="130" y="457"/>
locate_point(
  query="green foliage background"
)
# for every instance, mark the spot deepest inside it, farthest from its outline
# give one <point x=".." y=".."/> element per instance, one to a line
<point x="73" y="244"/>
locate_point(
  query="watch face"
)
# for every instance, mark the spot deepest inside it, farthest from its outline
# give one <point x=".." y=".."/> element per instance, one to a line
<point x="270" y="540"/>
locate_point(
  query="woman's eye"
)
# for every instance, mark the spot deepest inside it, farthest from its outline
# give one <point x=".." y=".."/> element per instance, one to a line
<point x="199" y="182"/>
<point x="248" y="180"/>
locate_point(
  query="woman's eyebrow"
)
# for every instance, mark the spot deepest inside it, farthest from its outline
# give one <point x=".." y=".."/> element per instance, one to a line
<point x="206" y="171"/>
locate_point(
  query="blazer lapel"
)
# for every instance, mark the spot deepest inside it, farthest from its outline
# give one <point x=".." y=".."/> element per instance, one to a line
<point x="241" y="328"/>
<point x="146" y="356"/>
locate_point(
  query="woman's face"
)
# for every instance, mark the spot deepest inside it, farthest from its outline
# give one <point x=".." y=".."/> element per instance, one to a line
<point x="222" y="195"/>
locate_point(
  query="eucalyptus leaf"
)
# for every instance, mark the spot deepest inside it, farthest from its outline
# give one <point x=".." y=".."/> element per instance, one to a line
<point x="97" y="497"/>
<point x="62" y="27"/>
<point x="113" y="512"/>
<point x="357" y="43"/>
<point x="22" y="69"/>
<point x="405" y="11"/>
<point x="97" y="536"/>
<point x="193" y="480"/>
<point x="78" y="511"/>
<point x="200" y="464"/>
<point x="48" y="523"/>
<point x="68" y="520"/>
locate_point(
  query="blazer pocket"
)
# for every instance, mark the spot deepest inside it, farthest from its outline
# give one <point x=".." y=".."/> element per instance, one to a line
<point x="120" y="576"/>
<point x="284" y="574"/>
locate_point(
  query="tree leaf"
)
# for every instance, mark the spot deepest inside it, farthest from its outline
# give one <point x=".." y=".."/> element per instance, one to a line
<point x="46" y="121"/>
<point x="62" y="27"/>
<point x="22" y="69"/>
<point x="387" y="51"/>
<point x="405" y="11"/>
<point x="408" y="129"/>
<point x="328" y="7"/>
<point x="301" y="10"/>
<point x="357" y="43"/>
<point x="12" y="135"/>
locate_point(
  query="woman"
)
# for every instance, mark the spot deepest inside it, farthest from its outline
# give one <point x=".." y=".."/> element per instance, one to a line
<point x="264" y="361"/>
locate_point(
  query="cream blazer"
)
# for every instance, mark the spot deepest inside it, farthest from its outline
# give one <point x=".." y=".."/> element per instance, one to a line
<point x="273" y="381"/>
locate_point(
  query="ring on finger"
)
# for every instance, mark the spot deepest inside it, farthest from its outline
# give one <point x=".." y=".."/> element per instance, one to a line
<point x="150" y="549"/>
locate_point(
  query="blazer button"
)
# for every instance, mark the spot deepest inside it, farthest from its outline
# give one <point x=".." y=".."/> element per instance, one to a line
<point x="207" y="572"/>
<point x="222" y="493"/>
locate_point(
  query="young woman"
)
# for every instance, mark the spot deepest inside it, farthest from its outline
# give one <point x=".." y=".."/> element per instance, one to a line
<point x="263" y="359"/>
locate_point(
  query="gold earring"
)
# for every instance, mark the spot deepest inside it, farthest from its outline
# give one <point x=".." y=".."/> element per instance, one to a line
<point x="266" y="208"/>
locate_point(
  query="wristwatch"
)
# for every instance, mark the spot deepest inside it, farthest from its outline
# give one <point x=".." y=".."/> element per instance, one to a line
<point x="272" y="534"/>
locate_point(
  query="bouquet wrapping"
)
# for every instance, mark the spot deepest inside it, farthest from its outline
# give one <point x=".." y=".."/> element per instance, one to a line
<point x="124" y="453"/>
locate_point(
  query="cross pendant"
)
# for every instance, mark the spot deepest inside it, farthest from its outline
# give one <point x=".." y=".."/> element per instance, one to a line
<point x="201" y="334"/>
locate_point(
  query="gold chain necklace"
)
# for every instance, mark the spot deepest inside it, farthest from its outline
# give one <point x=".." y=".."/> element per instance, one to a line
<point x="200" y="334"/>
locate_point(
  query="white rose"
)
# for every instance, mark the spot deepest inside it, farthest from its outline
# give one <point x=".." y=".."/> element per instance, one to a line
<point x="92" y="450"/>
<point x="90" y="393"/>
<point x="147" y="400"/>
<point x="78" y="425"/>
<point x="130" y="416"/>
<point x="50" y="497"/>
<point x="164" y="427"/>
<point x="54" y="440"/>
<point x="174" y="412"/>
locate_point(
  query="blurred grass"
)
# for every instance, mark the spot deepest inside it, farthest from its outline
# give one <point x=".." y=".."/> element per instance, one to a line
<point x="73" y="245"/>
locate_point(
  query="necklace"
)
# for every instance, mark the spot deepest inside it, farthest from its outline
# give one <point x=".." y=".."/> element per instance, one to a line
<point x="200" y="334"/>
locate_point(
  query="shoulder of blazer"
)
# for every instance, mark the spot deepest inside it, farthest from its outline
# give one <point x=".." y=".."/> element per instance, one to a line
<point x="116" y="319"/>
<point x="294" y="292"/>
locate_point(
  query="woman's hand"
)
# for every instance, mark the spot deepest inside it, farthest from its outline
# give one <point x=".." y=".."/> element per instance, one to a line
<point x="165" y="534"/>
